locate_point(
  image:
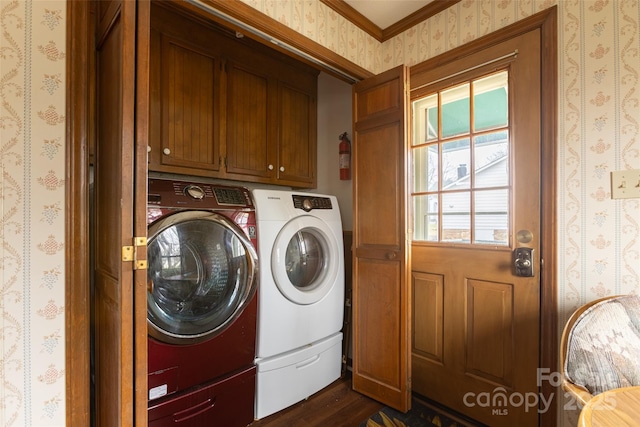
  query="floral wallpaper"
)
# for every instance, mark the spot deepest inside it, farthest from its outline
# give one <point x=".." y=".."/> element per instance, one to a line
<point x="599" y="132"/>
<point x="32" y="140"/>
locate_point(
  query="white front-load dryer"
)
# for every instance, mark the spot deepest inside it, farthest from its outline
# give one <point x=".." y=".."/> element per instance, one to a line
<point x="301" y="296"/>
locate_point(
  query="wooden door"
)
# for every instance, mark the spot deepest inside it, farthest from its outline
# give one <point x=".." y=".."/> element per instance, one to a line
<point x="381" y="297"/>
<point x="476" y="341"/>
<point x="119" y="293"/>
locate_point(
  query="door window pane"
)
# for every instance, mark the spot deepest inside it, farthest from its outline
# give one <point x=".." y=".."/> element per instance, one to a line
<point x="490" y="102"/>
<point x="456" y="158"/>
<point x="456" y="217"/>
<point x="491" y="223"/>
<point x="455" y="111"/>
<point x="425" y="119"/>
<point x="425" y="167"/>
<point x="491" y="155"/>
<point x="461" y="174"/>
<point x="426" y="219"/>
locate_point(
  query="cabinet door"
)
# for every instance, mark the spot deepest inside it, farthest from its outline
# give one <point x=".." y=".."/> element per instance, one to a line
<point x="250" y="128"/>
<point x="185" y="91"/>
<point x="297" y="135"/>
<point x="228" y="108"/>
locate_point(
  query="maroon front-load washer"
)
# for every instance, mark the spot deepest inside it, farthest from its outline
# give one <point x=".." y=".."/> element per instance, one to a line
<point x="201" y="304"/>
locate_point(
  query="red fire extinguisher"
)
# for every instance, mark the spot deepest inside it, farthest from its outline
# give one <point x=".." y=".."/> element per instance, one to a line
<point x="345" y="157"/>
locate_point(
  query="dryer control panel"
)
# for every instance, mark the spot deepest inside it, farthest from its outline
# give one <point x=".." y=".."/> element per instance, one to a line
<point x="308" y="203"/>
<point x="171" y="194"/>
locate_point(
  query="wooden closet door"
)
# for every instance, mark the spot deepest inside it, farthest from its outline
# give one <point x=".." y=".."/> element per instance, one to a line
<point x="119" y="286"/>
<point x="381" y="291"/>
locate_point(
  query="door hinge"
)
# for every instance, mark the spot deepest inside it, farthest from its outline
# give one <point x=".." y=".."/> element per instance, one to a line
<point x="130" y="253"/>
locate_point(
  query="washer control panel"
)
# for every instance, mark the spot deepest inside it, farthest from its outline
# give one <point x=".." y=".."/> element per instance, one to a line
<point x="308" y="203"/>
<point x="170" y="194"/>
<point x="194" y="191"/>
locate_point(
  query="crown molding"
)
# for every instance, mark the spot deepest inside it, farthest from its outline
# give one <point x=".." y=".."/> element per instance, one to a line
<point x="432" y="9"/>
<point x="382" y="35"/>
<point x="356" y="18"/>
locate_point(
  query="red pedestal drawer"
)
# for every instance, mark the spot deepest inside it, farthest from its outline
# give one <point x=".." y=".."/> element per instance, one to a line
<point x="224" y="403"/>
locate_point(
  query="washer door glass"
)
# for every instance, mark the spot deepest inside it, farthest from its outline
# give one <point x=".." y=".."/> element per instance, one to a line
<point x="305" y="260"/>
<point x="200" y="277"/>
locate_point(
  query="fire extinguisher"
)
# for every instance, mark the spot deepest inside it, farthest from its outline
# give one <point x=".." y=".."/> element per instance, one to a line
<point x="345" y="157"/>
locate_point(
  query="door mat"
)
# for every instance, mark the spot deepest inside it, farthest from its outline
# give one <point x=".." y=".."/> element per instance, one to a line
<point x="421" y="414"/>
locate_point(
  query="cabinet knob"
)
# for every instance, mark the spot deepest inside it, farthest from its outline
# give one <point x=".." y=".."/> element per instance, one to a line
<point x="270" y="167"/>
<point x="166" y="151"/>
<point x="148" y="148"/>
<point x="281" y="168"/>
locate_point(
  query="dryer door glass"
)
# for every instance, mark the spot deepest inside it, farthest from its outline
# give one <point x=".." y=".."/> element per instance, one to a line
<point x="200" y="277"/>
<point x="304" y="259"/>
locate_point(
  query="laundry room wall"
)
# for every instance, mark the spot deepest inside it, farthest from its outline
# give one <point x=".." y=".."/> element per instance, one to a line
<point x="334" y="118"/>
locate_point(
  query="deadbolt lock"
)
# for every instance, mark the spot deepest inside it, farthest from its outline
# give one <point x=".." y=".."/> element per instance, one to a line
<point x="523" y="262"/>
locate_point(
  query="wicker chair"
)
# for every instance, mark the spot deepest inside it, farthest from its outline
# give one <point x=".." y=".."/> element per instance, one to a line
<point x="600" y="347"/>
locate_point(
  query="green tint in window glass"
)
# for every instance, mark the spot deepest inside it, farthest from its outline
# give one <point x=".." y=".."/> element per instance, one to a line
<point x="490" y="102"/>
<point x="455" y="111"/>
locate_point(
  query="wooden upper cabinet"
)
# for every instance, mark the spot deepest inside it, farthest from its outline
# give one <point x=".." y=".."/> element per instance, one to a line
<point x="185" y="135"/>
<point x="227" y="107"/>
<point x="297" y="134"/>
<point x="249" y="128"/>
<point x="271" y="124"/>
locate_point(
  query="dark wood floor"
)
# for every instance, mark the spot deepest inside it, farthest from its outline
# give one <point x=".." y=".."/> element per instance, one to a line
<point x="335" y="406"/>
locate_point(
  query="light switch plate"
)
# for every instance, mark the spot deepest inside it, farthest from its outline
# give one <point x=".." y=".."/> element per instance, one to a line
<point x="625" y="184"/>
